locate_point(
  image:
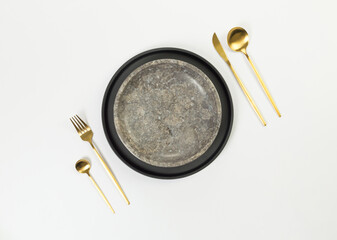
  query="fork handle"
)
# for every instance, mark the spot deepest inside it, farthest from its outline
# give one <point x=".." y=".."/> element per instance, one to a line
<point x="105" y="165"/>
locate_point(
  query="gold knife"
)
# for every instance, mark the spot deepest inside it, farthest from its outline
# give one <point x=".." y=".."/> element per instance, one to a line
<point x="220" y="50"/>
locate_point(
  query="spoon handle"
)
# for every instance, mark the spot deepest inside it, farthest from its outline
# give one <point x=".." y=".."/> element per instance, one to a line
<point x="250" y="99"/>
<point x="101" y="193"/>
<point x="105" y="165"/>
<point x="264" y="86"/>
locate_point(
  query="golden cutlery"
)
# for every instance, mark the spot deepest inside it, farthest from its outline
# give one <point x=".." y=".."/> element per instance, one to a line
<point x="83" y="166"/>
<point x="220" y="50"/>
<point x="237" y="40"/>
<point x="86" y="134"/>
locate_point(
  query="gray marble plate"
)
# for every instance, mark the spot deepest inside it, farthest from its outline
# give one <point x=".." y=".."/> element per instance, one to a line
<point x="167" y="113"/>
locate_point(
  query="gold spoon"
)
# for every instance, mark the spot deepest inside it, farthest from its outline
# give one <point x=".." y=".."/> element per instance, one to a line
<point x="237" y="40"/>
<point x="83" y="166"/>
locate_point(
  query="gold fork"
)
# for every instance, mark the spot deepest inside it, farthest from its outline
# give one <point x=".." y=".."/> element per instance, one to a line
<point x="86" y="134"/>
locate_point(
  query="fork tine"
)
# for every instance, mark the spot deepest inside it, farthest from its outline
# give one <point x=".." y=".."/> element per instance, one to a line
<point x="77" y="129"/>
<point x="80" y="126"/>
<point x="79" y="122"/>
<point x="85" y="125"/>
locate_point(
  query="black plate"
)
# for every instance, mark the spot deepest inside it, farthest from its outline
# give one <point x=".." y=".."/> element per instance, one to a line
<point x="167" y="172"/>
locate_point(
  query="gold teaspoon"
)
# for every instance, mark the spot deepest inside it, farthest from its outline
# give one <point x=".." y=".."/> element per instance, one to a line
<point x="238" y="40"/>
<point x="83" y="166"/>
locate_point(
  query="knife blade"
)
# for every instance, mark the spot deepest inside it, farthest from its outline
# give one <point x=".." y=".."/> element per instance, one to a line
<point x="219" y="49"/>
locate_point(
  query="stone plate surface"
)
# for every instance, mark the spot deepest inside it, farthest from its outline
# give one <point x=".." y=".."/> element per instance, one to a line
<point x="167" y="112"/>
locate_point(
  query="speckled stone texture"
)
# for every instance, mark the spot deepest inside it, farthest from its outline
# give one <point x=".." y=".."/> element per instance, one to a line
<point x="167" y="113"/>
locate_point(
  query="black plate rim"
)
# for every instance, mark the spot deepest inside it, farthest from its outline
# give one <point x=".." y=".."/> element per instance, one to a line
<point x="120" y="152"/>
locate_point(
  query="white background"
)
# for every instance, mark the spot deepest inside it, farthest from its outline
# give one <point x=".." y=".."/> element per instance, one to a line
<point x="274" y="182"/>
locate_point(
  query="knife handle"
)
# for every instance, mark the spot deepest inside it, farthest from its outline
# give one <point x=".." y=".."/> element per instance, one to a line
<point x="250" y="99"/>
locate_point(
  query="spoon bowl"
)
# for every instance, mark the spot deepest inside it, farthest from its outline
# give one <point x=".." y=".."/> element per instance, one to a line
<point x="83" y="166"/>
<point x="238" y="39"/>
